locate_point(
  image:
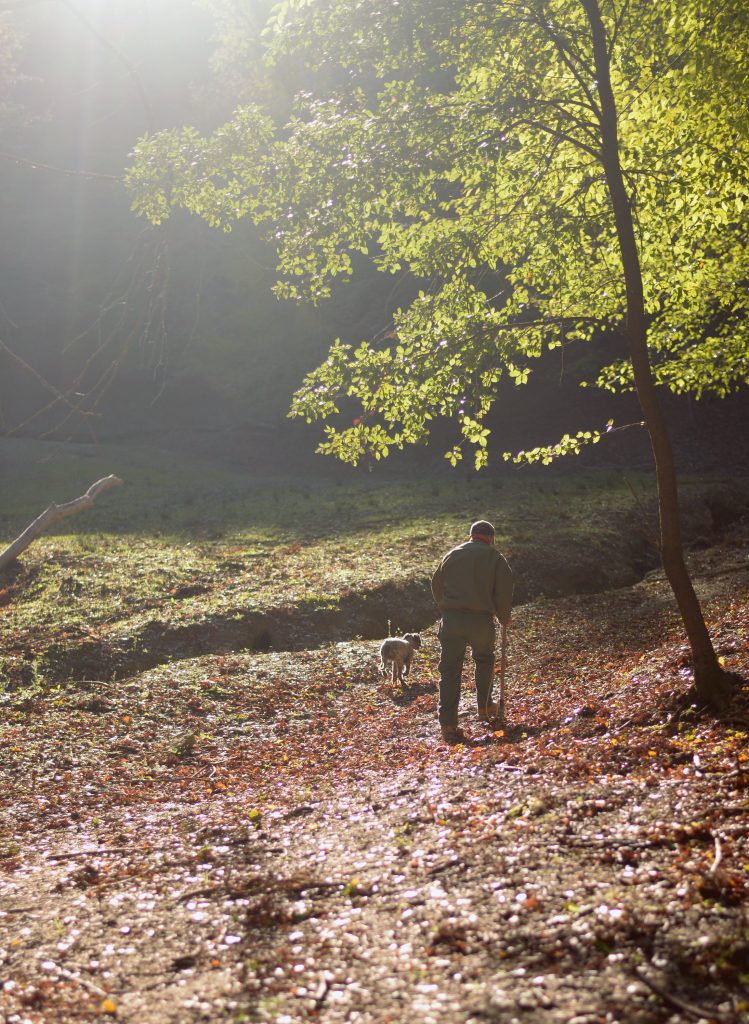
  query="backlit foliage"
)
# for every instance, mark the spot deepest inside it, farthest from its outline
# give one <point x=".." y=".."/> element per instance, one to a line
<point x="461" y="143"/>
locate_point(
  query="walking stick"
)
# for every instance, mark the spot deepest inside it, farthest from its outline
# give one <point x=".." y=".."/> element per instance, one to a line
<point x="502" y="673"/>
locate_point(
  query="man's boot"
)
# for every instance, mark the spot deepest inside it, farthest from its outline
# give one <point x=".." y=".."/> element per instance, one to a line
<point x="453" y="734"/>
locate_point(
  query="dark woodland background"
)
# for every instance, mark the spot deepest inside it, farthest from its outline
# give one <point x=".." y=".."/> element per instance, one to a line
<point x="111" y="330"/>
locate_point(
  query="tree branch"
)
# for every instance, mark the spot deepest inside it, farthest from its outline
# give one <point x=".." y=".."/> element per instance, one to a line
<point x="571" y="60"/>
<point x="52" y="515"/>
<point x="38" y="165"/>
<point x="135" y="78"/>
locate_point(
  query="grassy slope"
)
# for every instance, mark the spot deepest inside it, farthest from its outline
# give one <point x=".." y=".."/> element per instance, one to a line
<point x="189" y="558"/>
<point x="178" y="839"/>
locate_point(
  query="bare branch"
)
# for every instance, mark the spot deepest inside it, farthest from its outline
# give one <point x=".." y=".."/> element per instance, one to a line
<point x="39" y="165"/>
<point x="52" y="515"/>
<point x="120" y="56"/>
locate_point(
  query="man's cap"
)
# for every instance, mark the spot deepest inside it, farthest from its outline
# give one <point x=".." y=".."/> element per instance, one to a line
<point x="482" y="529"/>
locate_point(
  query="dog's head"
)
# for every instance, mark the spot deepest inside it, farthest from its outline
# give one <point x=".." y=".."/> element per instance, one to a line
<point x="413" y="638"/>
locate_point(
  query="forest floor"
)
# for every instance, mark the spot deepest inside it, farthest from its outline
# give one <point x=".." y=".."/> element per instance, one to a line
<point x="277" y="834"/>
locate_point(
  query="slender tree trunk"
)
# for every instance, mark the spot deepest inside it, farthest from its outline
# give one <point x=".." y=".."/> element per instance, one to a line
<point x="711" y="682"/>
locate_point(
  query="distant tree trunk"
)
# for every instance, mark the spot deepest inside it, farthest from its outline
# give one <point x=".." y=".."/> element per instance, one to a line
<point x="711" y="682"/>
<point x="52" y="515"/>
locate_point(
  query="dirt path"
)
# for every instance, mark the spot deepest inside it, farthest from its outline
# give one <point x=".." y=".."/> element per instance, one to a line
<point x="186" y="847"/>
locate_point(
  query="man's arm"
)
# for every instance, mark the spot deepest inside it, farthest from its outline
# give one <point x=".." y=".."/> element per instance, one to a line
<point x="438" y="586"/>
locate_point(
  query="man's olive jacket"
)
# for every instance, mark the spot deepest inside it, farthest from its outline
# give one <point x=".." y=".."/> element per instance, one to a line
<point x="474" y="577"/>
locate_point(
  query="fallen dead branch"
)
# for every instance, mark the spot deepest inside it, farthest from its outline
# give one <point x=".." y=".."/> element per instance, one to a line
<point x="52" y="515"/>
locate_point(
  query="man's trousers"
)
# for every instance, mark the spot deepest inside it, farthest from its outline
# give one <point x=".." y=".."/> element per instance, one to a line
<point x="458" y="630"/>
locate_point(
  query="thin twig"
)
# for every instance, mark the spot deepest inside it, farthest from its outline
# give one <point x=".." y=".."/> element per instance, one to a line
<point x="674" y="1001"/>
<point x="71" y="976"/>
<point x="92" y="853"/>
<point x="129" y="67"/>
<point x="718" y="856"/>
<point x="321" y="993"/>
<point x="71" y="172"/>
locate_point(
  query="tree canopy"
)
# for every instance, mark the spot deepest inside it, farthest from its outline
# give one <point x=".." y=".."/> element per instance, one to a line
<point x="463" y="143"/>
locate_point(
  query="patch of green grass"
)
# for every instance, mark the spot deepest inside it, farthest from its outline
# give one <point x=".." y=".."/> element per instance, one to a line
<point x="184" y="541"/>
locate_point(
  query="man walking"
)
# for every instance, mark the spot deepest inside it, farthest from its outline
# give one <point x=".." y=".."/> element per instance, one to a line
<point x="472" y="584"/>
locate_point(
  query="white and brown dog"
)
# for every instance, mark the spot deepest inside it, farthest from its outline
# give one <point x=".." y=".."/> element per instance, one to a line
<point x="398" y="652"/>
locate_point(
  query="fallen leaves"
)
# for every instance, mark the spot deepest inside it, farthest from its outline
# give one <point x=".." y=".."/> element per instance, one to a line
<point x="277" y="834"/>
